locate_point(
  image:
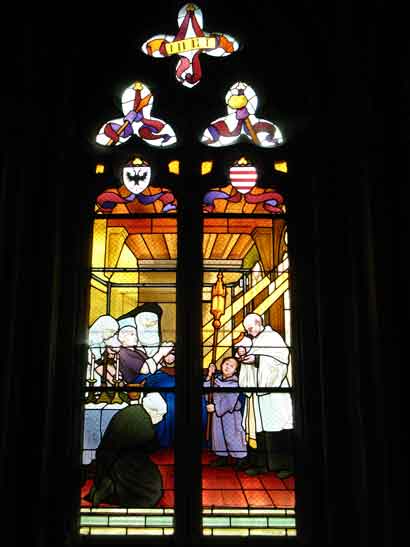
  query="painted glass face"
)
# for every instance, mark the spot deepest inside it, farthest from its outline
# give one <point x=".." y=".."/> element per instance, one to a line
<point x="128" y="336"/>
<point x="148" y="331"/>
<point x="136" y="179"/>
<point x="229" y="367"/>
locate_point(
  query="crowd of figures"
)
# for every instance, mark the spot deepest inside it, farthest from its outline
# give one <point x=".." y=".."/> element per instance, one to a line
<point x="128" y="351"/>
<point x="250" y="430"/>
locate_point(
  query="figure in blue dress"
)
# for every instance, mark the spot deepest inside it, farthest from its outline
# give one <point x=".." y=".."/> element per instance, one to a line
<point x="163" y="377"/>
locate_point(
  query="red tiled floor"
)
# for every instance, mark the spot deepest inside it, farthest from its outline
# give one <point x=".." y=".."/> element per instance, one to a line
<point x="258" y="498"/>
<point x="218" y="479"/>
<point x="167" y="473"/>
<point x="220" y="484"/>
<point x="250" y="483"/>
<point x="234" y="498"/>
<point x="271" y="482"/>
<point x="86" y="487"/>
<point x="84" y="491"/>
<point x="283" y="498"/>
<point x="221" y="472"/>
<point x="289" y="483"/>
<point x="164" y="456"/>
<point x="167" y="500"/>
<point x="212" y="498"/>
<point x="223" y="487"/>
<point x="207" y="457"/>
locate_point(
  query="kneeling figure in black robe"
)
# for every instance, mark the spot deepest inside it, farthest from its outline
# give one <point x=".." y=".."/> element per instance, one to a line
<point x="125" y="474"/>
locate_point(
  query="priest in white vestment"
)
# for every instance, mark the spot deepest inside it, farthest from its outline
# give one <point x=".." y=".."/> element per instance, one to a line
<point x="268" y="417"/>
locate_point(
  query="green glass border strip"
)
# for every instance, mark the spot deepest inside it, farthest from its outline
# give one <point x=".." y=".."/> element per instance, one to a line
<point x="245" y="532"/>
<point x="274" y="522"/>
<point x="126" y="521"/>
<point x="216" y="522"/>
<point x="111" y="531"/>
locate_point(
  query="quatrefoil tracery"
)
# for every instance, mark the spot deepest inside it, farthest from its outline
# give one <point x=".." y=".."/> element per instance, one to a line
<point x="189" y="42"/>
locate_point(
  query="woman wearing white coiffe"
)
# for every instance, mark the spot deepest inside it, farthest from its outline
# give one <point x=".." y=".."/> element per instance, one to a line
<point x="264" y="363"/>
<point x="147" y="320"/>
<point x="103" y="329"/>
<point x="148" y="332"/>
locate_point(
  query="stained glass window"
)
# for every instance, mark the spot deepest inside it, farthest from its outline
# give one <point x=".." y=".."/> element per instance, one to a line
<point x="129" y="414"/>
<point x="135" y="194"/>
<point x="247" y="464"/>
<point x="136" y="101"/>
<point x="241" y="194"/>
<point x="188" y="43"/>
<point x="241" y="121"/>
<point x="244" y="333"/>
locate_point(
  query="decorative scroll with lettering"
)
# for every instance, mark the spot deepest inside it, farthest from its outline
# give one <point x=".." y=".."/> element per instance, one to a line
<point x="189" y="42"/>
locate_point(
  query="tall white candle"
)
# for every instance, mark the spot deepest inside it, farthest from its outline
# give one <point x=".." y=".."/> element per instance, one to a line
<point x="92" y="366"/>
<point x="117" y="367"/>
